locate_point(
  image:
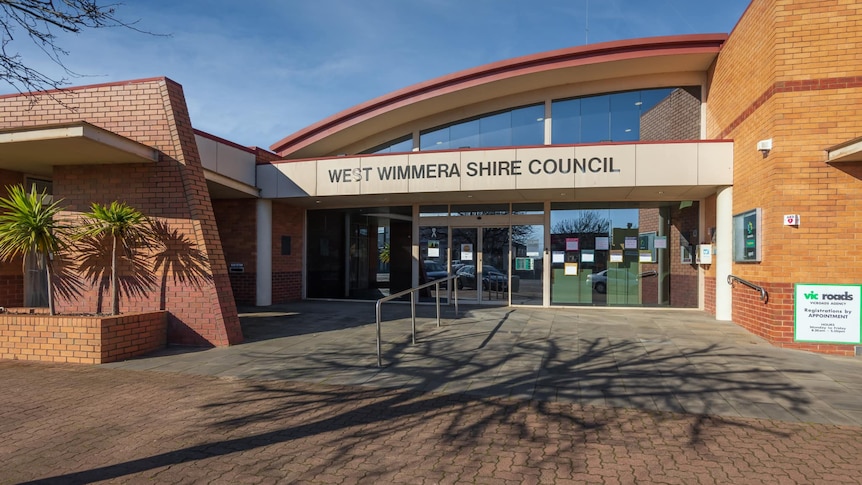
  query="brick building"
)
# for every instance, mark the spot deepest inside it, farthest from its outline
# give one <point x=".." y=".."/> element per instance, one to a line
<point x="641" y="173"/>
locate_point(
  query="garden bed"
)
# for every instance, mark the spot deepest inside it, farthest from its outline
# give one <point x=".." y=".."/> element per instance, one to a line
<point x="84" y="339"/>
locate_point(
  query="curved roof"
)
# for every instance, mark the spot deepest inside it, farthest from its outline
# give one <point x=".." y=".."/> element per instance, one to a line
<point x="596" y="62"/>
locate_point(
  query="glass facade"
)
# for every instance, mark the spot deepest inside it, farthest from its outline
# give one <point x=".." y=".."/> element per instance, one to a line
<point x="606" y="118"/>
<point x="399" y="145"/>
<point x="516" y="127"/>
<point x="362" y="254"/>
<point x="607" y="254"/>
<point x="611" y="254"/>
<point x="618" y="255"/>
<point x="647" y="114"/>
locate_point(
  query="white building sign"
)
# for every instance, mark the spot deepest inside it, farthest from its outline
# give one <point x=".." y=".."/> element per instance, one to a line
<point x="827" y="313"/>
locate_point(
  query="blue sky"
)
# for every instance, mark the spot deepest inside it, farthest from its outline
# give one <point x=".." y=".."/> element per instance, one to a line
<point x="256" y="71"/>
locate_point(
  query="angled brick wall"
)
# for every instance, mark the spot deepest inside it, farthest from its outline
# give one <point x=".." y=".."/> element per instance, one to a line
<point x="173" y="191"/>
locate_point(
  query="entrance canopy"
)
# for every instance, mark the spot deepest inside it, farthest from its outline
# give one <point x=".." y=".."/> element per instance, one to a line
<point x="603" y="172"/>
<point x="849" y="151"/>
<point x="37" y="149"/>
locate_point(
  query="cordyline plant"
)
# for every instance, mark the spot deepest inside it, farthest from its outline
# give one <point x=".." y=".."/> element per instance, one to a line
<point x="125" y="226"/>
<point x="29" y="225"/>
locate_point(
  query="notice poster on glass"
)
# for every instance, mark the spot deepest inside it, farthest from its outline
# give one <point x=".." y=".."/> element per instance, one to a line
<point x="466" y="252"/>
<point x="661" y="242"/>
<point x="616" y="256"/>
<point x="685" y="254"/>
<point x="827" y="313"/>
<point x="602" y="243"/>
<point x="571" y="244"/>
<point x="533" y="248"/>
<point x="631" y="242"/>
<point x="588" y="256"/>
<point x="433" y="249"/>
<point x="571" y="269"/>
<point x="558" y="257"/>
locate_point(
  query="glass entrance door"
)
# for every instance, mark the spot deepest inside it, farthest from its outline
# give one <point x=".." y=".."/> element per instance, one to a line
<point x="480" y="257"/>
<point x="465" y="261"/>
<point x="494" y="264"/>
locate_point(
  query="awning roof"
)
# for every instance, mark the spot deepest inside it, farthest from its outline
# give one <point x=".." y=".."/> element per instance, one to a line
<point x="849" y="151"/>
<point x="37" y="149"/>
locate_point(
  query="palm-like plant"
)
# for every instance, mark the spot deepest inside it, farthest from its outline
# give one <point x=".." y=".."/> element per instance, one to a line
<point x="125" y="226"/>
<point x="28" y="225"/>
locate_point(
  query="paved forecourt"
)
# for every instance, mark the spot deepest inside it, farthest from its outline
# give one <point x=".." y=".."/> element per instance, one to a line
<point x="659" y="360"/>
<point x="498" y="395"/>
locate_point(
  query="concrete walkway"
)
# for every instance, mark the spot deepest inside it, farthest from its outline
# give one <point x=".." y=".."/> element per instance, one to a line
<point x="654" y="360"/>
<point x="496" y="396"/>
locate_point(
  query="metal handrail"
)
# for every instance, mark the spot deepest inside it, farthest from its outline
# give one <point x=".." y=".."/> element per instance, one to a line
<point x="412" y="292"/>
<point x="764" y="296"/>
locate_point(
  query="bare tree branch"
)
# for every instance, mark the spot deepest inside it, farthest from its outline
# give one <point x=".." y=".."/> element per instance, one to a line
<point x="587" y="222"/>
<point x="38" y="20"/>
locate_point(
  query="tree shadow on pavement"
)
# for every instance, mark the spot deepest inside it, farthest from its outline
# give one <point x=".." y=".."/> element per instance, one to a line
<point x="547" y="393"/>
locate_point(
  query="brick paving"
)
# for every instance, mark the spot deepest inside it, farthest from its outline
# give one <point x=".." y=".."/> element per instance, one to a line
<point x="76" y="424"/>
<point x="494" y="395"/>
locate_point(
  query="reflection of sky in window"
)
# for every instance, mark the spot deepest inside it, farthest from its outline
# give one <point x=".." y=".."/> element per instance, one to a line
<point x="626" y="112"/>
<point x="465" y="135"/>
<point x="652" y="97"/>
<point x="528" y="126"/>
<point x="404" y="144"/>
<point x="516" y="127"/>
<point x="532" y="237"/>
<point x="566" y="121"/>
<point x="591" y="119"/>
<point x="609" y="117"/>
<point x="496" y="130"/>
<point x="434" y="140"/>
<point x="595" y="119"/>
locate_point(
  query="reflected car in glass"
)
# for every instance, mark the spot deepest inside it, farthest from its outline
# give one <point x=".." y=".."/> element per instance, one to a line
<point x="491" y="278"/>
<point x="619" y="277"/>
<point x="434" y="270"/>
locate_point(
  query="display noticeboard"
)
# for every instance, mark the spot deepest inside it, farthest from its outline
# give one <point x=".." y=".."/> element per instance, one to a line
<point x="524" y="264"/>
<point x="746" y="236"/>
<point x="827" y="313"/>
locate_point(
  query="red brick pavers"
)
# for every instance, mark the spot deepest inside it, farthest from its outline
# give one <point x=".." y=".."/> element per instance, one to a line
<point x="72" y="424"/>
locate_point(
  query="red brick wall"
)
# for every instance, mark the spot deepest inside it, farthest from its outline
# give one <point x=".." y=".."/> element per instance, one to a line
<point x="709" y="295"/>
<point x="172" y="191"/>
<point x="677" y="117"/>
<point x="82" y="340"/>
<point x="804" y="94"/>
<point x="286" y="269"/>
<point x="709" y="211"/>
<point x="684" y="279"/>
<point x="11" y="278"/>
<point x="648" y="222"/>
<point x="237" y="223"/>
